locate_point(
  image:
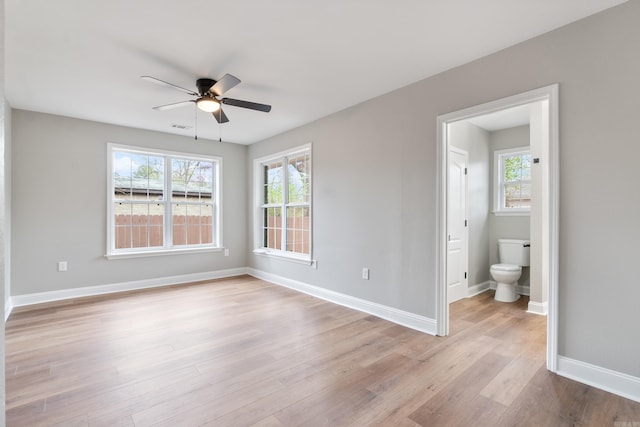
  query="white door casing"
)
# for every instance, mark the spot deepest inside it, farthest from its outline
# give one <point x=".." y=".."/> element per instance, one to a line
<point x="457" y="230"/>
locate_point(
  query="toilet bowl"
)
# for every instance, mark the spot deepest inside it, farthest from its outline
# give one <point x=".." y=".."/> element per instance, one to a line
<point x="514" y="254"/>
<point x="506" y="277"/>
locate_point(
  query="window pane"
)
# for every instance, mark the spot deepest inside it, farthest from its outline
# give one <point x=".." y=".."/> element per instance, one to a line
<point x="138" y="225"/>
<point x="272" y="228"/>
<point x="206" y="224"/>
<point x="272" y="179"/>
<point x="299" y="179"/>
<point x="192" y="193"/>
<point x="517" y="195"/>
<point x="191" y="178"/>
<point x="192" y="224"/>
<point x="298" y="229"/>
<point x="179" y="218"/>
<point x="512" y="195"/>
<point x="525" y="195"/>
<point x="512" y="168"/>
<point x="138" y="176"/>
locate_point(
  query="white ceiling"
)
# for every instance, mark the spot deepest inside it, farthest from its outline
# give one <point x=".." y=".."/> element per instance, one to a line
<point x="306" y="58"/>
<point x="504" y="119"/>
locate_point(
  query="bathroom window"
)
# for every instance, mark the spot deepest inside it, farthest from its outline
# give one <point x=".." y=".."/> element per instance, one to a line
<point x="161" y="202"/>
<point x="283" y="199"/>
<point x="512" y="191"/>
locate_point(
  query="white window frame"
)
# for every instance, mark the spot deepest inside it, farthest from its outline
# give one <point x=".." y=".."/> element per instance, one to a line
<point x="258" y="191"/>
<point x="498" y="187"/>
<point x="168" y="247"/>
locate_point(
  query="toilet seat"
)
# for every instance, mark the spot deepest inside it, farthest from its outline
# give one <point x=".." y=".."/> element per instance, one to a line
<point x="506" y="267"/>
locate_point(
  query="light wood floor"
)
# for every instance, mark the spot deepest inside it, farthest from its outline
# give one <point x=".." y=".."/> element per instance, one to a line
<point x="241" y="352"/>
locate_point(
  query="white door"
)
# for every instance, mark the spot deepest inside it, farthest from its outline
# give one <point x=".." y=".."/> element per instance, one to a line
<point x="457" y="235"/>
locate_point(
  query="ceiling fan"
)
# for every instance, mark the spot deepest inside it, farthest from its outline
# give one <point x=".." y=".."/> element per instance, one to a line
<point x="208" y="96"/>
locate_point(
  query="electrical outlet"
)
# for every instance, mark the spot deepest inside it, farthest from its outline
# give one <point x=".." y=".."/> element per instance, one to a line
<point x="62" y="265"/>
<point x="365" y="273"/>
<point x="226" y="252"/>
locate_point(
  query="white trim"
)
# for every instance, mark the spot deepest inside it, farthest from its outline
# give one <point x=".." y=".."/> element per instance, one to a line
<point x="8" y="306"/>
<point x="163" y="252"/>
<point x="547" y="93"/>
<point x="605" y="379"/>
<point x="284" y="153"/>
<point x="442" y="169"/>
<point x="516" y="213"/>
<point x="401" y="317"/>
<point x="474" y="290"/>
<point x="42" y="297"/>
<point x="285" y="256"/>
<point x="181" y="251"/>
<point x="541" y="308"/>
<point x="554" y="197"/>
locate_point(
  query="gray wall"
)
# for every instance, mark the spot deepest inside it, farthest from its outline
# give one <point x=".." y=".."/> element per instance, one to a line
<point x="475" y="141"/>
<point x="59" y="188"/>
<point x="375" y="183"/>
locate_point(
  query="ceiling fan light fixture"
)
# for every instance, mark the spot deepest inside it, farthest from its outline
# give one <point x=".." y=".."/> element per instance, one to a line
<point x="208" y="104"/>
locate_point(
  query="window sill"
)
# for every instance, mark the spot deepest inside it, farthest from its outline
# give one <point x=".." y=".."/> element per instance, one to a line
<point x="162" y="252"/>
<point x="514" y="213"/>
<point x="300" y="259"/>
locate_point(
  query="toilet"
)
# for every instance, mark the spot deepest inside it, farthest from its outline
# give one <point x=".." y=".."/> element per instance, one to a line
<point x="513" y="254"/>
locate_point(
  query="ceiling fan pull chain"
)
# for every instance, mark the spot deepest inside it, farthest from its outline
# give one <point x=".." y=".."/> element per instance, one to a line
<point x="196" y="131"/>
<point x="220" y="127"/>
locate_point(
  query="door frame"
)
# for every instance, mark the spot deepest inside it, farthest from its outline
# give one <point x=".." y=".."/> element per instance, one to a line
<point x="550" y="94"/>
<point x="465" y="154"/>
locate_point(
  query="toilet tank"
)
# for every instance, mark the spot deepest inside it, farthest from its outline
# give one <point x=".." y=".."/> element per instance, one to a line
<point x="516" y="252"/>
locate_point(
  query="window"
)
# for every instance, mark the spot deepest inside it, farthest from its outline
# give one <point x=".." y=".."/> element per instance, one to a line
<point x="283" y="198"/>
<point x="160" y="201"/>
<point x="512" y="192"/>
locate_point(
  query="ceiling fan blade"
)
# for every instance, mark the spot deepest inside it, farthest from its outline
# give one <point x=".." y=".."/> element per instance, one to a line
<point x="163" y="83"/>
<point x="174" y="105"/>
<point x="246" y="104"/>
<point x="224" y="84"/>
<point x="220" y="116"/>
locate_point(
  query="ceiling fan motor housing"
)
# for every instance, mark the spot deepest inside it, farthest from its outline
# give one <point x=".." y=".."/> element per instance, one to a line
<point x="204" y="85"/>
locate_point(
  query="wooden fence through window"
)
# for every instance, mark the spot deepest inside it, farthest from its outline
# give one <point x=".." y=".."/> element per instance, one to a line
<point x="142" y="231"/>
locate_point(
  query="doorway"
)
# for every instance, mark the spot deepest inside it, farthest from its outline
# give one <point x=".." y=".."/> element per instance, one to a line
<point x="545" y="216"/>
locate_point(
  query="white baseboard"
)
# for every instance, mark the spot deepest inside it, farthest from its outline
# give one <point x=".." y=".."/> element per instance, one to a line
<point x="479" y="288"/>
<point x="541" y="308"/>
<point x="605" y="379"/>
<point x="404" y="318"/>
<point x="42" y="297"/>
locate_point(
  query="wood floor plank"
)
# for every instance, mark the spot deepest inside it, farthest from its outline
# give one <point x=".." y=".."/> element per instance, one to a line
<point x="243" y="352"/>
